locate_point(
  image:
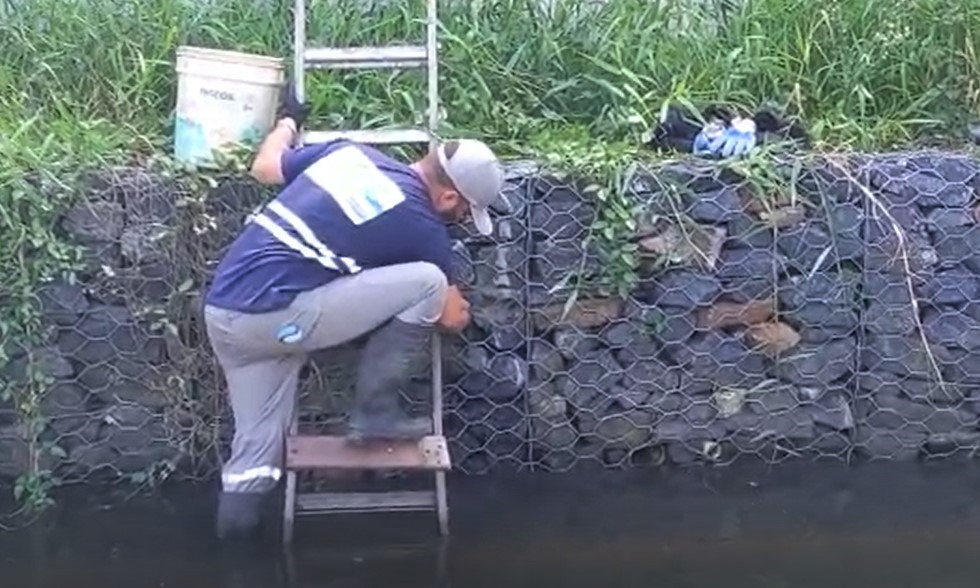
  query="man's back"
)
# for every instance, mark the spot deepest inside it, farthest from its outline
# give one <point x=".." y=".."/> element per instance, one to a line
<point x="344" y="207"/>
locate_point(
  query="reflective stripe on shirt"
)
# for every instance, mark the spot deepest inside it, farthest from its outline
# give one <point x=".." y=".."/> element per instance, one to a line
<point x="313" y="248"/>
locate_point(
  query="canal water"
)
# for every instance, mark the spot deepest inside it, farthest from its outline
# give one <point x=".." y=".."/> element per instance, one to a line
<point x="869" y="526"/>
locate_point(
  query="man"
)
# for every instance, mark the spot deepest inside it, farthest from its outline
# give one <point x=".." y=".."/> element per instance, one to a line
<point x="355" y="242"/>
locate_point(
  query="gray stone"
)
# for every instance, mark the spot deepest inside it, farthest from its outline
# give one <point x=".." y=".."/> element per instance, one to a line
<point x="901" y="445"/>
<point x="736" y="263"/>
<point x="130" y="416"/>
<point x="561" y="213"/>
<point x="591" y="379"/>
<point x="828" y="288"/>
<point x="502" y="378"/>
<point x="810" y="247"/>
<point x="95" y="221"/>
<point x="642" y="348"/>
<point x="919" y="390"/>
<point x="832" y="411"/>
<point x="814" y="365"/>
<point x="573" y="343"/>
<point x="951" y="167"/>
<point x="62" y="302"/>
<point x="954" y="286"/>
<point x="892" y="319"/>
<point x="895" y="413"/>
<point x="650" y="375"/>
<point x="463" y="263"/>
<point x="722" y="359"/>
<point x="620" y="333"/>
<point x="44" y="361"/>
<point x="499" y="269"/>
<point x="16" y="456"/>
<point x="886" y="252"/>
<point x="960" y="245"/>
<point x="824" y="182"/>
<point x="146" y="242"/>
<point x="846" y="222"/>
<point x="110" y="334"/>
<point x="901" y="179"/>
<point x="628" y="429"/>
<point x="62" y="400"/>
<point x="952" y="329"/>
<point x="959" y="365"/>
<point x="796" y="424"/>
<point x="825" y="318"/>
<point x="696" y="177"/>
<point x="146" y="196"/>
<point x="941" y="219"/>
<point x="890" y="289"/>
<point x="556" y="261"/>
<point x="493" y="430"/>
<point x="747" y="232"/>
<point x="903" y="355"/>
<point x="716" y="206"/>
<point x="680" y="288"/>
<point x="503" y="320"/>
<point x="546" y="362"/>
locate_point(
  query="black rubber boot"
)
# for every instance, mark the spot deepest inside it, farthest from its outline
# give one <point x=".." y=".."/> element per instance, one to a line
<point x="239" y="515"/>
<point x="386" y="363"/>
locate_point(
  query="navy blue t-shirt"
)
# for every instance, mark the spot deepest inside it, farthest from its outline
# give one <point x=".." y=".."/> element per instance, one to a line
<point x="345" y="207"/>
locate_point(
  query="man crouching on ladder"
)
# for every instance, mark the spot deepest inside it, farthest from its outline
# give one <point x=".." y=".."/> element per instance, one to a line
<point x="354" y="242"/>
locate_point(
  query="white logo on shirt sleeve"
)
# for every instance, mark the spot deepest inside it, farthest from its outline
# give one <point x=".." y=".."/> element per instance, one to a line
<point x="358" y="186"/>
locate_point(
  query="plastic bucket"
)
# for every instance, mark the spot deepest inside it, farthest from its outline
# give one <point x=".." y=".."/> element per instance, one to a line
<point x="223" y="98"/>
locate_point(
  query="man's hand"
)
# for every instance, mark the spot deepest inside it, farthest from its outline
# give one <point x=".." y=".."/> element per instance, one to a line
<point x="456" y="313"/>
<point x="290" y="115"/>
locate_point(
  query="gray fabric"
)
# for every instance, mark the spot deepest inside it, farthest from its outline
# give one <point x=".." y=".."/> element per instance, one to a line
<point x="262" y="354"/>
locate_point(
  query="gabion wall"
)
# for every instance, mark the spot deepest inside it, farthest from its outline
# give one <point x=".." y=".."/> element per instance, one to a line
<point x="825" y="312"/>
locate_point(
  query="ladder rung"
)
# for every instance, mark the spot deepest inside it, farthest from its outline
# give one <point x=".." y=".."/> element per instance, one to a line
<point x="322" y="452"/>
<point x="364" y="502"/>
<point x="394" y="56"/>
<point x="369" y="136"/>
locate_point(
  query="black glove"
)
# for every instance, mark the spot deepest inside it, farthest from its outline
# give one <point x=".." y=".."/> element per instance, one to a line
<point x="291" y="107"/>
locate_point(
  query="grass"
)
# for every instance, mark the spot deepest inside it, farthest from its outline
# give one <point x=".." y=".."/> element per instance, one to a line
<point x="861" y="73"/>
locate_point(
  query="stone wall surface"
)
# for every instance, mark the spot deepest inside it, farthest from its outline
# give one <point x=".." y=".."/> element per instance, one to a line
<point x="827" y="312"/>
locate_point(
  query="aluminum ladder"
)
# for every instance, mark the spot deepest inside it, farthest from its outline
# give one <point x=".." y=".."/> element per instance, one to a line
<point x="306" y="452"/>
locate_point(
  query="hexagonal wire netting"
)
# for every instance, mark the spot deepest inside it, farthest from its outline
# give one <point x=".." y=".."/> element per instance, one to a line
<point x="826" y="310"/>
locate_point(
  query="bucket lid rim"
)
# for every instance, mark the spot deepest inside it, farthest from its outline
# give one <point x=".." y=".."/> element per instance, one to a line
<point x="228" y="55"/>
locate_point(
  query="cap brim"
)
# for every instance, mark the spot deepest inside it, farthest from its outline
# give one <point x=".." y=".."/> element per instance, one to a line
<point x="481" y="219"/>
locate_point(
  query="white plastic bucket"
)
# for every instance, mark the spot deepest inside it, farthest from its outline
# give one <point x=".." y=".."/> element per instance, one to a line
<point x="223" y="98"/>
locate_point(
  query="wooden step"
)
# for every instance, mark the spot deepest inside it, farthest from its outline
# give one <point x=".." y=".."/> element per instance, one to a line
<point x="330" y="452"/>
<point x="365" y="502"/>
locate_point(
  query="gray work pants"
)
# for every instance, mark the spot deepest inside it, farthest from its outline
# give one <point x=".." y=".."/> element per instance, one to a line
<point x="262" y="354"/>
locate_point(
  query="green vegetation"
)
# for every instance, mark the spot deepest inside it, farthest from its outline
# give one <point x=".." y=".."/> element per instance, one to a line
<point x="89" y="81"/>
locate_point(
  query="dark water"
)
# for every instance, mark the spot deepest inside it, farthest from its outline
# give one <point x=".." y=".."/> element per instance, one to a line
<point x="869" y="527"/>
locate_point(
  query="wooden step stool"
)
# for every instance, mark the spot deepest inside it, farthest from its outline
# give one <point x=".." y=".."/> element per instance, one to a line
<point x="324" y="453"/>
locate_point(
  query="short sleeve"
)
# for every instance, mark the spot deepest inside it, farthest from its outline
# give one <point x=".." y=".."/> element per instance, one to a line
<point x="295" y="161"/>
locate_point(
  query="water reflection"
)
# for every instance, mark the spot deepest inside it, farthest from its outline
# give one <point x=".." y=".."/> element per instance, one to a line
<point x="873" y="526"/>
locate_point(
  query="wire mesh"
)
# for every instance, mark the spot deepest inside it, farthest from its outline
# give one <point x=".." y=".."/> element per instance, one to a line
<point x="821" y="310"/>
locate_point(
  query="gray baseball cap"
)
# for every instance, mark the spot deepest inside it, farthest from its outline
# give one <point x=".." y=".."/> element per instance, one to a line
<point x="478" y="176"/>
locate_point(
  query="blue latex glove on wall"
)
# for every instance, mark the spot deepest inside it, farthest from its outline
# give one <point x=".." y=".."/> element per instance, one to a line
<point x="737" y="139"/>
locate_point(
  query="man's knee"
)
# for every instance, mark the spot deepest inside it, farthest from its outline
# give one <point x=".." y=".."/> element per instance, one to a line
<point x="433" y="287"/>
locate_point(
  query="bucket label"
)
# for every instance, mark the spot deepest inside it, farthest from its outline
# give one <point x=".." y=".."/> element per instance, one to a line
<point x="224" y="95"/>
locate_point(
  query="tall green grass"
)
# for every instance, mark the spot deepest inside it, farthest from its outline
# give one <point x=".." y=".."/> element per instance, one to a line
<point x="860" y="72"/>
